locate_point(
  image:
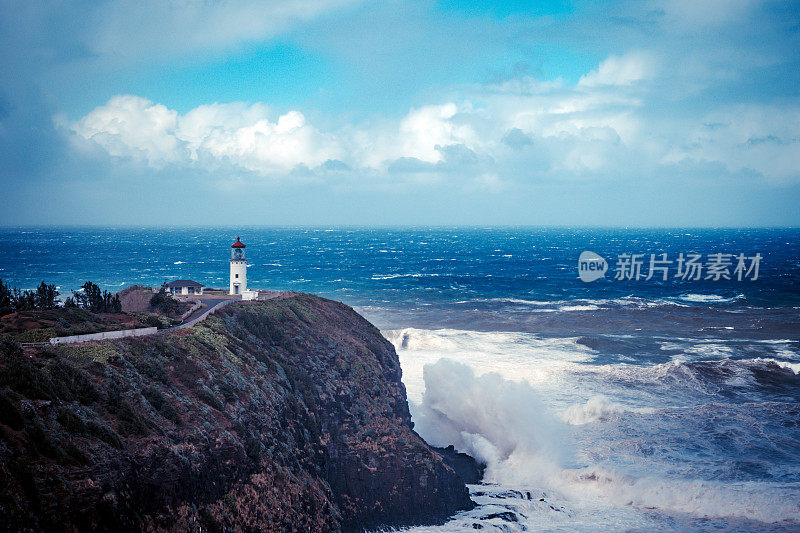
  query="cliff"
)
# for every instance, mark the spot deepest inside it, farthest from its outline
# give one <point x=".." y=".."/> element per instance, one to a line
<point x="287" y="414"/>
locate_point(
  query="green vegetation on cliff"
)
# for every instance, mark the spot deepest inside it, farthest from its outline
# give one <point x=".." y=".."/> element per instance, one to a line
<point x="287" y="414"/>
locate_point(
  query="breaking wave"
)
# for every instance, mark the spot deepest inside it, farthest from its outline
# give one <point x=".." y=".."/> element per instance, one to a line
<point x="526" y="449"/>
<point x="411" y="275"/>
<point x="710" y="298"/>
<point x="629" y="454"/>
<point x="501" y="423"/>
<point x="578" y="304"/>
<point x="597" y="409"/>
<point x="505" y="425"/>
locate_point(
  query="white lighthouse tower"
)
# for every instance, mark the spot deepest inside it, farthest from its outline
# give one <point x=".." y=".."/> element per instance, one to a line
<point x="238" y="268"/>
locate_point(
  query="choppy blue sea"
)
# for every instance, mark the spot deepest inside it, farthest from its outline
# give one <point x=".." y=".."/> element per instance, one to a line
<point x="617" y="404"/>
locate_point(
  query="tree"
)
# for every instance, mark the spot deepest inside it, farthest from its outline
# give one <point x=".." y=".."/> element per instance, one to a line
<point x="5" y="299"/>
<point x="11" y="300"/>
<point x="116" y="304"/>
<point x="23" y="300"/>
<point x="164" y="302"/>
<point x="46" y="296"/>
<point x="90" y="297"/>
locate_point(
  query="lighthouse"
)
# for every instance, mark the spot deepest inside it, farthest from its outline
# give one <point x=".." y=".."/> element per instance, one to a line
<point x="238" y="268"/>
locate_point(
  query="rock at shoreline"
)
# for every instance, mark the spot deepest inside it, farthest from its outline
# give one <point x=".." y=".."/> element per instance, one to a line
<point x="283" y="415"/>
<point x="467" y="468"/>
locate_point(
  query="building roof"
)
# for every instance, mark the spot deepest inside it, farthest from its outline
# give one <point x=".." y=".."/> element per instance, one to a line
<point x="237" y="244"/>
<point x="183" y="283"/>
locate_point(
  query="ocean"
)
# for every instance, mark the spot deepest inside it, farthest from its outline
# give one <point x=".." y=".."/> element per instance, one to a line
<point x="615" y="404"/>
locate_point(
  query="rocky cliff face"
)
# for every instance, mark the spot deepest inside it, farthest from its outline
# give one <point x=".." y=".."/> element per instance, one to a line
<point x="287" y="414"/>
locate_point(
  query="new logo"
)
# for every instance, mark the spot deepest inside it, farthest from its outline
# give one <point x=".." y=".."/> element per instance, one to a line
<point x="591" y="266"/>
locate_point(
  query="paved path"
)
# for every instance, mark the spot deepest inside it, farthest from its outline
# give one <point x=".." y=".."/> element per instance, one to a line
<point x="209" y="306"/>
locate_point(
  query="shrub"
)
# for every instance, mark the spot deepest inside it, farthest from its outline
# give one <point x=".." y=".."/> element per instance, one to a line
<point x="35" y="335"/>
<point x="100" y="429"/>
<point x="76" y="380"/>
<point x="153" y="320"/>
<point x="70" y="421"/>
<point x="129" y="421"/>
<point x="28" y="379"/>
<point x="208" y="520"/>
<point x="74" y="454"/>
<point x="151" y="369"/>
<point x="21" y="471"/>
<point x="165" y="303"/>
<point x="161" y="404"/>
<point x="8" y="412"/>
<point x="8" y="347"/>
<point x="40" y="439"/>
<point x="209" y="398"/>
<point x="227" y="391"/>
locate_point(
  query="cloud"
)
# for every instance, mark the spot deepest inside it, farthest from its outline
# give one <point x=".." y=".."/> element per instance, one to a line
<point x="516" y="130"/>
<point x="692" y="14"/>
<point x="425" y="129"/>
<point x="620" y="70"/>
<point x="135" y="128"/>
<point x="129" y="126"/>
<point x="128" y="29"/>
<point x="409" y="165"/>
<point x="752" y="139"/>
<point x="516" y="138"/>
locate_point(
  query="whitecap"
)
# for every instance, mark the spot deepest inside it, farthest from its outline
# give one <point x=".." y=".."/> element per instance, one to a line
<point x="597" y="409"/>
<point x="709" y="298"/>
<point x="578" y="308"/>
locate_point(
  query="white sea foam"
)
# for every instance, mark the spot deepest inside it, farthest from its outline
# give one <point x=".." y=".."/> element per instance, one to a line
<point x="794" y="367"/>
<point x="520" y="301"/>
<point x="507" y="399"/>
<point x="411" y="275"/>
<point x="709" y="298"/>
<point x="513" y="355"/>
<point x="578" y="308"/>
<point x="761" y="501"/>
<point x="700" y="349"/>
<point x="597" y="409"/>
<point x="577" y="304"/>
<point x="499" y="422"/>
<point x="506" y="425"/>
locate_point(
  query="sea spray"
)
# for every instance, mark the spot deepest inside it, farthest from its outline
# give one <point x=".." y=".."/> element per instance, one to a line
<point x="501" y="423"/>
<point x="630" y="454"/>
<point x="527" y="450"/>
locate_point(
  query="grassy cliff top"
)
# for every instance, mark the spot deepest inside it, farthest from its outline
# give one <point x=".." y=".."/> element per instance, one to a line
<point x="286" y="414"/>
<point x="41" y="325"/>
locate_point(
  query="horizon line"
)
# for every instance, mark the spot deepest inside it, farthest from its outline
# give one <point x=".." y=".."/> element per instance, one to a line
<point x="4" y="227"/>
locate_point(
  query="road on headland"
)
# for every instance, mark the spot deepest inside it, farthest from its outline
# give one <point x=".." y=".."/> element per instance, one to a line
<point x="211" y="305"/>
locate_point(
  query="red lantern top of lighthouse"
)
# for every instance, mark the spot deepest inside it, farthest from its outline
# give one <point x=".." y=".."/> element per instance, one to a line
<point x="237" y="244"/>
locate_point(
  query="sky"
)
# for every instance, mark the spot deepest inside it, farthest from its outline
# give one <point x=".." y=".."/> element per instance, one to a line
<point x="416" y="112"/>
